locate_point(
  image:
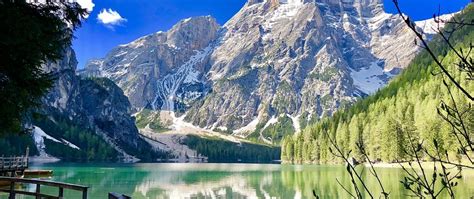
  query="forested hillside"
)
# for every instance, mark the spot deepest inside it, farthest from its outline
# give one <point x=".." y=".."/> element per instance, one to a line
<point x="408" y="105"/>
<point x="218" y="150"/>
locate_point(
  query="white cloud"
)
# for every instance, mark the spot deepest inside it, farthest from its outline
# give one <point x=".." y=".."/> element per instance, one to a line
<point x="87" y="4"/>
<point x="110" y="18"/>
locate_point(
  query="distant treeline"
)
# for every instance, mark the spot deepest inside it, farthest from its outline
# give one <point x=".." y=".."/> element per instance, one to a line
<point x="218" y="150"/>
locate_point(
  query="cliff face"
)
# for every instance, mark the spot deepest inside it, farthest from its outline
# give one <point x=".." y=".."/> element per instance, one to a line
<point x="156" y="67"/>
<point x="299" y="59"/>
<point x="95" y="104"/>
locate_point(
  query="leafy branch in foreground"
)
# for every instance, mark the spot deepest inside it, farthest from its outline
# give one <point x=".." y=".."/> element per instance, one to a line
<point x="30" y="36"/>
<point x="465" y="62"/>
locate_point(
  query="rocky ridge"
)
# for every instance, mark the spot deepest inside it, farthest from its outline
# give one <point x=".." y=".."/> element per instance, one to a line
<point x="96" y="104"/>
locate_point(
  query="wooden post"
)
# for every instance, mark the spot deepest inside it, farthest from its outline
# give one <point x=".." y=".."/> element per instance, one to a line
<point x="84" y="194"/>
<point x="12" y="190"/>
<point x="20" y="162"/>
<point x="26" y="155"/>
<point x="61" y="193"/>
<point x="38" y="191"/>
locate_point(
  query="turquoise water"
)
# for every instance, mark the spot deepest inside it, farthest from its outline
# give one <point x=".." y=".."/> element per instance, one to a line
<point x="222" y="180"/>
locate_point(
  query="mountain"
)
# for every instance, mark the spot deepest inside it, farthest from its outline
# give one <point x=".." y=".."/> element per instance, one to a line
<point x="269" y="71"/>
<point x="86" y="119"/>
<point x="407" y="106"/>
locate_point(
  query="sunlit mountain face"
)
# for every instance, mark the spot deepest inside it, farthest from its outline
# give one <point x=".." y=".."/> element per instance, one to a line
<point x="274" y="67"/>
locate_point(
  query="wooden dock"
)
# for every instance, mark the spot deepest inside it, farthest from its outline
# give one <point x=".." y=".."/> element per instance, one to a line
<point x="13" y="169"/>
<point x="12" y="182"/>
<point x="14" y="166"/>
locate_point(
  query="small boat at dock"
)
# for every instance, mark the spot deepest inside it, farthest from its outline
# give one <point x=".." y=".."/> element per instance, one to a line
<point x="37" y="173"/>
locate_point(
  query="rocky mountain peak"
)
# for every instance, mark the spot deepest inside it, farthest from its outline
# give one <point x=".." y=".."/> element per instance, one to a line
<point x="199" y="30"/>
<point x="363" y="3"/>
<point x="152" y="68"/>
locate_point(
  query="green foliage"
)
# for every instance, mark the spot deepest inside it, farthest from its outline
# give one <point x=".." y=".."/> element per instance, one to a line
<point x="326" y="100"/>
<point x="30" y="35"/>
<point x="307" y="118"/>
<point x="92" y="147"/>
<point x="284" y="97"/>
<point x="407" y="106"/>
<point x="15" y="145"/>
<point x="102" y="81"/>
<point x="326" y="75"/>
<point x="218" y="150"/>
<point x="150" y="118"/>
<point x="277" y="131"/>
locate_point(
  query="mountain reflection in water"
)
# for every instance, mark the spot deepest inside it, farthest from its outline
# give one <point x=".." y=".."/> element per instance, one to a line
<point x="224" y="180"/>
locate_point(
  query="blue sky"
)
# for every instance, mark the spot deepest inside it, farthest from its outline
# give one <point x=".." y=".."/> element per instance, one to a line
<point x="123" y="21"/>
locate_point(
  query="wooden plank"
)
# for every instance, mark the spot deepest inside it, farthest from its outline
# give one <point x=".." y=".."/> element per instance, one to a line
<point x="41" y="195"/>
<point x="13" y="163"/>
<point x="38" y="184"/>
<point x="38" y="191"/>
<point x="84" y="194"/>
<point x="61" y="192"/>
<point x="12" y="190"/>
<point x="46" y="182"/>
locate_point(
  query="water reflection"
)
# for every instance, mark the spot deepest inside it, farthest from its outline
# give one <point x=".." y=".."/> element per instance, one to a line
<point x="225" y="180"/>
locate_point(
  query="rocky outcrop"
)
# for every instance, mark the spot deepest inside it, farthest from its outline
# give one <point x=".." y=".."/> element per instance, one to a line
<point x="96" y="104"/>
<point x="301" y="58"/>
<point x="163" y="71"/>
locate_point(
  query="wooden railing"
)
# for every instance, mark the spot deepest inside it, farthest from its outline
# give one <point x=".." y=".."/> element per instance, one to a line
<point x="38" y="183"/>
<point x="13" y="163"/>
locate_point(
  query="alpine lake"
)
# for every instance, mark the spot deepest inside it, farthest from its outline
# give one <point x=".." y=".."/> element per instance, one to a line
<point x="208" y="180"/>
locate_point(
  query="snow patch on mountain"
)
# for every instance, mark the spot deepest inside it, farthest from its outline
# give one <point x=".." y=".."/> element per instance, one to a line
<point x="369" y="79"/>
<point x="242" y="132"/>
<point x="296" y="122"/>
<point x="135" y="44"/>
<point x="284" y="11"/>
<point x="39" y="135"/>
<point x="182" y="127"/>
<point x="430" y="26"/>
<point x="377" y="21"/>
<point x="272" y="120"/>
<point x="169" y="85"/>
<point x="287" y="9"/>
